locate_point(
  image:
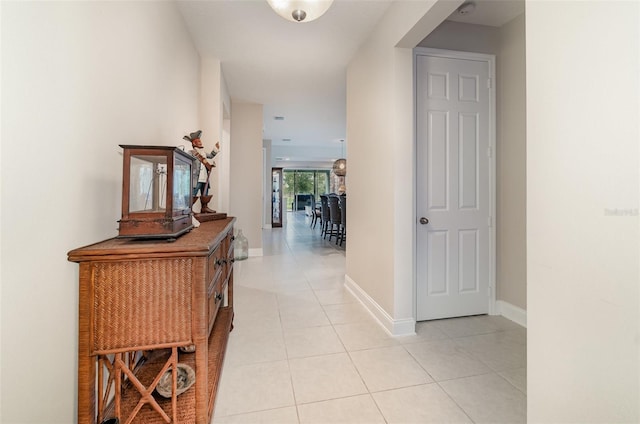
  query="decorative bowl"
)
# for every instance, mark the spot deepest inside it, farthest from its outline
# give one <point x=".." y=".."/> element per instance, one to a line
<point x="186" y="377"/>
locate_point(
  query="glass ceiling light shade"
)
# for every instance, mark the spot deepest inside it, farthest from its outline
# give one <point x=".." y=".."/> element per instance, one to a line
<point x="340" y="167"/>
<point x="300" y="10"/>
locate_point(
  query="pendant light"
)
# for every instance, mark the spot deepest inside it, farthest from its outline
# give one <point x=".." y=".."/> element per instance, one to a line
<point x="300" y="10"/>
<point x="340" y="169"/>
<point x="340" y="165"/>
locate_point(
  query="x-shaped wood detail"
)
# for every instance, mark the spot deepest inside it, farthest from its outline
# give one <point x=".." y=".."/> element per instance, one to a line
<point x="146" y="393"/>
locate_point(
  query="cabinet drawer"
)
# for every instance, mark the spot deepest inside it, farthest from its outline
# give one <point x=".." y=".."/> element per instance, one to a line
<point x="230" y="253"/>
<point x="215" y="266"/>
<point x="229" y="242"/>
<point x="215" y="299"/>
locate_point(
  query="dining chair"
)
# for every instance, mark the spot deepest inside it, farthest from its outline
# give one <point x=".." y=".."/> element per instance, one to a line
<point x="334" y="218"/>
<point x="342" y="232"/>
<point x="316" y="215"/>
<point x="324" y="214"/>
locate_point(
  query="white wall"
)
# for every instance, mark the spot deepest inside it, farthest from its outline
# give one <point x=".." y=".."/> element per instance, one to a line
<point x="380" y="259"/>
<point x="370" y="133"/>
<point x="583" y="91"/>
<point x="267" y="184"/>
<point x="507" y="43"/>
<point x="327" y="166"/>
<point x="327" y="154"/>
<point x="211" y="120"/>
<point x="246" y="184"/>
<point x="451" y="35"/>
<point x="214" y="100"/>
<point x="78" y="78"/>
<point x="1" y="273"/>
<point x="224" y="162"/>
<point x="511" y="187"/>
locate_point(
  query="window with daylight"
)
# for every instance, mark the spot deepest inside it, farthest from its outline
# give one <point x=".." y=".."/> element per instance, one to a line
<point x="303" y="187"/>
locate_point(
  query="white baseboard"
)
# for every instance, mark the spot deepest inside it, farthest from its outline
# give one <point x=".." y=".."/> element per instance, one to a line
<point x="395" y="327"/>
<point x="256" y="252"/>
<point x="407" y="326"/>
<point x="514" y="313"/>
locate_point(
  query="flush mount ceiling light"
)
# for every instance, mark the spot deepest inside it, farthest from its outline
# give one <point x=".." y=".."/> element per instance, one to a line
<point x="300" y="10"/>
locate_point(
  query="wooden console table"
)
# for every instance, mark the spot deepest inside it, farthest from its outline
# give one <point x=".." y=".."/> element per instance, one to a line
<point x="141" y="303"/>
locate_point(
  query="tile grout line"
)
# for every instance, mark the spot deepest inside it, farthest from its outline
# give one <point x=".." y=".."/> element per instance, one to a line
<point x="404" y="345"/>
<point x="286" y="350"/>
<point x="361" y="377"/>
<point x="438" y="383"/>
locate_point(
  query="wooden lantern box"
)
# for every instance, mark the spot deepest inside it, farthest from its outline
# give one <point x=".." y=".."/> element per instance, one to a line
<point x="156" y="192"/>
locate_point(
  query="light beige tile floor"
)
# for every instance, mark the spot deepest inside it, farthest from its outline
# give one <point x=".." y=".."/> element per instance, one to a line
<point x="304" y="350"/>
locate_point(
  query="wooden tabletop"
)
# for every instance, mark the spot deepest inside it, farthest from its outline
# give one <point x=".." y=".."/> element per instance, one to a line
<point x="198" y="242"/>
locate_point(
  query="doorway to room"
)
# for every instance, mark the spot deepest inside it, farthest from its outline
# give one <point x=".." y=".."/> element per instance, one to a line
<point x="455" y="139"/>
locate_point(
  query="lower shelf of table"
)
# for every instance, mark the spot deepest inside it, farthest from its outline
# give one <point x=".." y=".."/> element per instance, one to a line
<point x="186" y="401"/>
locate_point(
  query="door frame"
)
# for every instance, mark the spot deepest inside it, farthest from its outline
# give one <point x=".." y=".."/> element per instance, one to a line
<point x="490" y="59"/>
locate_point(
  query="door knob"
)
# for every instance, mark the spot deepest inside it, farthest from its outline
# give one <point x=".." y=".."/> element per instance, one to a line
<point x="424" y="220"/>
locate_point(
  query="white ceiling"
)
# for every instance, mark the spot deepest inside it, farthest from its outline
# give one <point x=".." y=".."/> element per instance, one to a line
<point x="491" y="12"/>
<point x="297" y="70"/>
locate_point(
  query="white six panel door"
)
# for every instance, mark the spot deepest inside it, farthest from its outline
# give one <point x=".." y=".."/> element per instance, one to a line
<point x="453" y="187"/>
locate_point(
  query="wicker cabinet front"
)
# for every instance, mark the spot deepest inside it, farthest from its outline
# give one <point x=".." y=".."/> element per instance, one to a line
<point x="144" y="306"/>
<point x="143" y="303"/>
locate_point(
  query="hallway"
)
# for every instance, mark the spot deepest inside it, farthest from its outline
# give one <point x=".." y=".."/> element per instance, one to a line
<point x="304" y="350"/>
